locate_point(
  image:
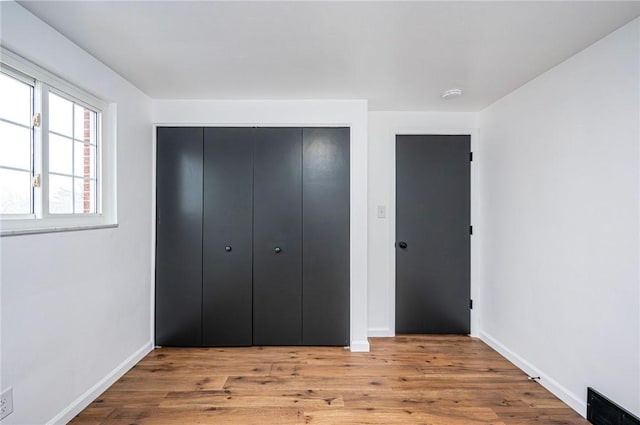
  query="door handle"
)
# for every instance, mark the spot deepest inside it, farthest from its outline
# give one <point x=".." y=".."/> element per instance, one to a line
<point x="402" y="245"/>
<point x="227" y="248"/>
<point x="277" y="250"/>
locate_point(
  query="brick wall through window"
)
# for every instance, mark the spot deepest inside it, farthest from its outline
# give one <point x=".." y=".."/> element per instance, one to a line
<point x="86" y="194"/>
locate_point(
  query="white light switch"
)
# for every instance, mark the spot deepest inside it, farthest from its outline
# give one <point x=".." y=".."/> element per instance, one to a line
<point x="381" y="211"/>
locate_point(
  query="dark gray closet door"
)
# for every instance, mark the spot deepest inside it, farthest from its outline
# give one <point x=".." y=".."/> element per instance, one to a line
<point x="228" y="241"/>
<point x="277" y="255"/>
<point x="432" y="233"/>
<point x="325" y="242"/>
<point x="179" y="237"/>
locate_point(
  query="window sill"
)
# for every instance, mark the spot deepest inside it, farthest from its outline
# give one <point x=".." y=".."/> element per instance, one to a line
<point x="35" y="231"/>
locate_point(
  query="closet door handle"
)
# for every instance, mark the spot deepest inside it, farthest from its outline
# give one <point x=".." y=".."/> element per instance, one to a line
<point x="277" y="250"/>
<point x="227" y="248"/>
<point x="403" y="245"/>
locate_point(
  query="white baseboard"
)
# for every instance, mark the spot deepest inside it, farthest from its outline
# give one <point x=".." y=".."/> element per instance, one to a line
<point x="92" y="393"/>
<point x="546" y="381"/>
<point x="380" y="332"/>
<point x="360" y="346"/>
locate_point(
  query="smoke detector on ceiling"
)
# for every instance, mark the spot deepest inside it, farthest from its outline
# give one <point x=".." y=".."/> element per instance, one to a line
<point x="451" y="94"/>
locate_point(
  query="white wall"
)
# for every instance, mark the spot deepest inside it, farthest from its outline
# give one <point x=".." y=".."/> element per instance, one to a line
<point x="560" y="188"/>
<point x="352" y="113"/>
<point x="560" y="225"/>
<point x="76" y="305"/>
<point x="383" y="128"/>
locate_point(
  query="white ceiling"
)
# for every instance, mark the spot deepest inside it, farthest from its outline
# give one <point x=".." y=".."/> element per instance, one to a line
<point x="398" y="55"/>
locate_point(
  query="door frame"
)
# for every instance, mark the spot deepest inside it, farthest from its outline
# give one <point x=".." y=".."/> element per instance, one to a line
<point x="352" y="114"/>
<point x="475" y="275"/>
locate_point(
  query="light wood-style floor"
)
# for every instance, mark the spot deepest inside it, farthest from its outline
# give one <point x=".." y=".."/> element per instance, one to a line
<point x="403" y="380"/>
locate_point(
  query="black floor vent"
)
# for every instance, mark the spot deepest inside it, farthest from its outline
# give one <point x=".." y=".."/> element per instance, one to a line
<point x="602" y="411"/>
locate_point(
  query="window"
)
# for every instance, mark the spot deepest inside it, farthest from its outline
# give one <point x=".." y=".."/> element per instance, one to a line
<point x="72" y="157"/>
<point x="51" y="152"/>
<point x="16" y="145"/>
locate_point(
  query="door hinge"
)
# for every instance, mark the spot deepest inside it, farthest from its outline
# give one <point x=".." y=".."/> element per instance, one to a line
<point x="36" y="120"/>
<point x="471" y="304"/>
<point x="471" y="230"/>
<point x="35" y="182"/>
<point x="470" y="156"/>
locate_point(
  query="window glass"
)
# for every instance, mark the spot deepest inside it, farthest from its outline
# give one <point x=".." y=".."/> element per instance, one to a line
<point x="60" y="115"/>
<point x="15" y="146"/>
<point x="16" y="141"/>
<point x="72" y="153"/>
<point x="60" y="154"/>
<point x="84" y="195"/>
<point x="15" y="102"/>
<point x="60" y="194"/>
<point x="15" y="192"/>
<point x="84" y="160"/>
<point x="84" y="124"/>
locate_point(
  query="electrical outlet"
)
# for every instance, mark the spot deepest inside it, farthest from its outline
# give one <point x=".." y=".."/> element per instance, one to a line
<point x="6" y="403"/>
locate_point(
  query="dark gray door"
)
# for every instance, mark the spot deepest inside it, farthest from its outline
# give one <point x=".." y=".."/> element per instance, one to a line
<point x="432" y="234"/>
<point x="277" y="227"/>
<point x="179" y="237"/>
<point x="227" y="247"/>
<point x="325" y="242"/>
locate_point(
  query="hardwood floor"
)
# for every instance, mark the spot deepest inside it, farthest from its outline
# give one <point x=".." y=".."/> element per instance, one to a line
<point x="403" y="380"/>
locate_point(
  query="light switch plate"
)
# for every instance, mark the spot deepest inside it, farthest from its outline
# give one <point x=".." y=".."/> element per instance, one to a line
<point x="381" y="211"/>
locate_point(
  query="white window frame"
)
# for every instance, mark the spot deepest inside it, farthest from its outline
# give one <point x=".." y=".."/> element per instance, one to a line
<point x="32" y="83"/>
<point x="42" y="221"/>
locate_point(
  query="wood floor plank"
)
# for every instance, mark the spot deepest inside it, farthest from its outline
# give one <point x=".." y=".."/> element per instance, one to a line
<point x="126" y="398"/>
<point x="344" y="370"/>
<point x="448" y="399"/>
<point x="132" y="382"/>
<point x="252" y="399"/>
<point x="206" y="416"/>
<point x="93" y="415"/>
<point x="383" y="416"/>
<point x="177" y="368"/>
<point x="412" y="379"/>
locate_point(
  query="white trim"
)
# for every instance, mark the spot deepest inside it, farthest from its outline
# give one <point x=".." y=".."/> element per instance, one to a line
<point x="36" y="231"/>
<point x="298" y="113"/>
<point x="9" y="217"/>
<point x="154" y="156"/>
<point x="92" y="393"/>
<point x="39" y="104"/>
<point x="475" y="219"/>
<point x="14" y="73"/>
<point x="380" y="332"/>
<point x="575" y="402"/>
<point x="360" y="346"/>
<point x="11" y="227"/>
<point x="249" y="125"/>
<point x="30" y="69"/>
<point x="43" y="166"/>
<point x="106" y="197"/>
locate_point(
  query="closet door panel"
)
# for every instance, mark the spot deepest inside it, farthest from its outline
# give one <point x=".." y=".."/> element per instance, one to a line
<point x="179" y="237"/>
<point x="325" y="229"/>
<point x="227" y="239"/>
<point x="277" y="266"/>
